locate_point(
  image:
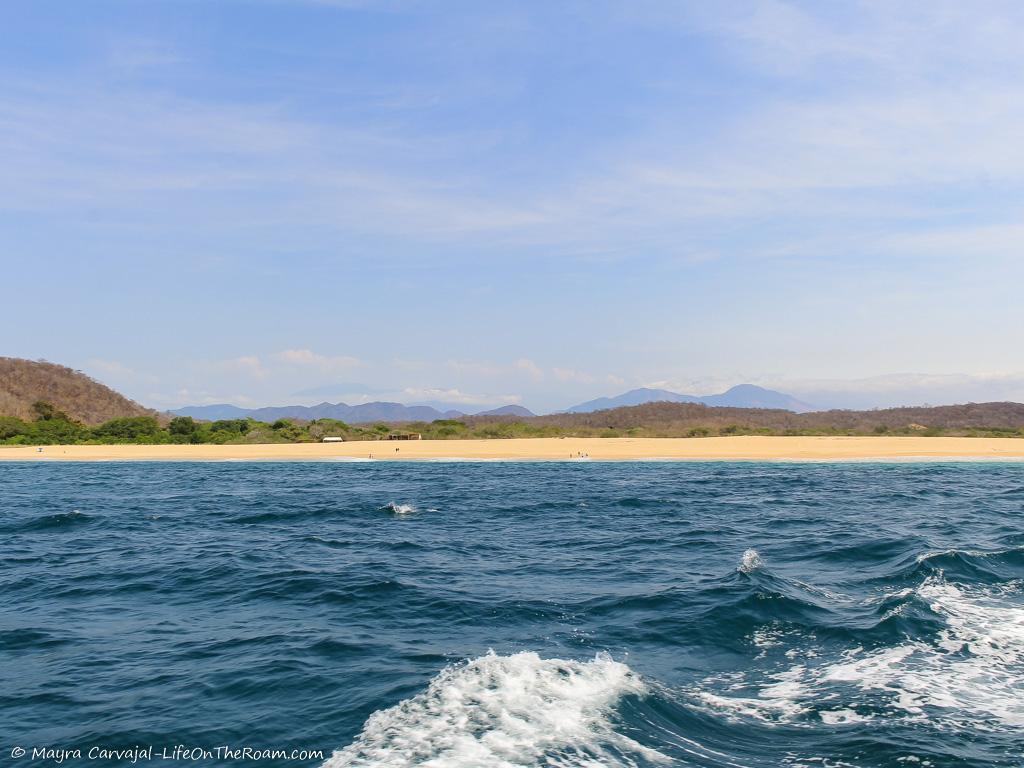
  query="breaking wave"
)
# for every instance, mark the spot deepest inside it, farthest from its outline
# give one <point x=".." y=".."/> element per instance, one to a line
<point x="505" y="712"/>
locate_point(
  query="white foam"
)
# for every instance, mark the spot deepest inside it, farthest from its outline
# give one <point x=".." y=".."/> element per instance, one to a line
<point x="400" y="509"/>
<point x="751" y="561"/>
<point x="505" y="712"/>
<point x="975" y="668"/>
<point x="780" y="700"/>
<point x="970" y="675"/>
<point x="817" y="762"/>
<point x="841" y="716"/>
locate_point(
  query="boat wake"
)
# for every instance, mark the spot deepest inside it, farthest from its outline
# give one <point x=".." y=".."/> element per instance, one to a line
<point x="506" y="712"/>
<point x="967" y="675"/>
<point x="943" y="655"/>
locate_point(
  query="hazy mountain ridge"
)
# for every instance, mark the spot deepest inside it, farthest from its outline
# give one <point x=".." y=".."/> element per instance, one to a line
<point x="740" y="396"/>
<point x="353" y="414"/>
<point x="215" y="412"/>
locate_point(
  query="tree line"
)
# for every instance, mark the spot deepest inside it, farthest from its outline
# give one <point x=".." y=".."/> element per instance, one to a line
<point x="51" y="426"/>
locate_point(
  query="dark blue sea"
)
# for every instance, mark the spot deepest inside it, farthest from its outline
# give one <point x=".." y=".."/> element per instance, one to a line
<point x="513" y="614"/>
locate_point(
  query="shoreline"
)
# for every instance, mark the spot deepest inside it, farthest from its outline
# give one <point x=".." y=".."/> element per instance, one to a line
<point x="738" y="448"/>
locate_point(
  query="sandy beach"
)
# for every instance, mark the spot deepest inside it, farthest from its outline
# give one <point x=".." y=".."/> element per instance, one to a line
<point x="552" y="449"/>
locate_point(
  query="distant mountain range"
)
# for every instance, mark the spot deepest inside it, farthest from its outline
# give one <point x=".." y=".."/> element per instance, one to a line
<point x="741" y="396"/>
<point x="351" y="414"/>
<point x="213" y="412"/>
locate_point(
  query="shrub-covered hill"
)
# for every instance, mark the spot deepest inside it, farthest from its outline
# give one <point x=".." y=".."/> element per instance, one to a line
<point x="681" y="419"/>
<point x="25" y="382"/>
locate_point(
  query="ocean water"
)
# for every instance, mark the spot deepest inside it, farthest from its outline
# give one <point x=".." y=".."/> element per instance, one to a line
<point x="520" y="614"/>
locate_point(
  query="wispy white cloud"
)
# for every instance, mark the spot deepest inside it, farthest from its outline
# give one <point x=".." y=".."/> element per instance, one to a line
<point x="488" y="369"/>
<point x="900" y="40"/>
<point x="584" y="377"/>
<point x="475" y="367"/>
<point x="568" y="374"/>
<point x="250" y="365"/>
<point x="119" y="375"/>
<point x="186" y="396"/>
<point x="531" y="368"/>
<point x="323" y="363"/>
<point x="456" y="396"/>
<point x="951" y="116"/>
<point x="122" y="151"/>
<point x="999" y="240"/>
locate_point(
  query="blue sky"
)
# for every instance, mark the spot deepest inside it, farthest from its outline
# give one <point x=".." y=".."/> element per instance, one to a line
<point x="534" y="202"/>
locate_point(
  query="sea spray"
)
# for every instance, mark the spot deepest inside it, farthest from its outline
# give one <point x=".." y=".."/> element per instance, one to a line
<point x="401" y="510"/>
<point x="751" y="561"/>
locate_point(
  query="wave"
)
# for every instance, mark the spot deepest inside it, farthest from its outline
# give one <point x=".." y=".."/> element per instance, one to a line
<point x="984" y="566"/>
<point x="753" y="595"/>
<point x="60" y="520"/>
<point x="507" y="712"/>
<point x="967" y="675"/>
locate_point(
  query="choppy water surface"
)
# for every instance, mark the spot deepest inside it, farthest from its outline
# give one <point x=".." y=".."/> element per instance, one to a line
<point x="519" y="614"/>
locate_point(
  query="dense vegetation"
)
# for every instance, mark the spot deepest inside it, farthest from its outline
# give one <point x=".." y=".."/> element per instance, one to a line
<point x="50" y="425"/>
<point x="25" y="382"/>
<point x="53" y="426"/>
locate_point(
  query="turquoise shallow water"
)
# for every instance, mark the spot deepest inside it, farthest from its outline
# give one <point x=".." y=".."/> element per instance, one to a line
<point x="517" y="614"/>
